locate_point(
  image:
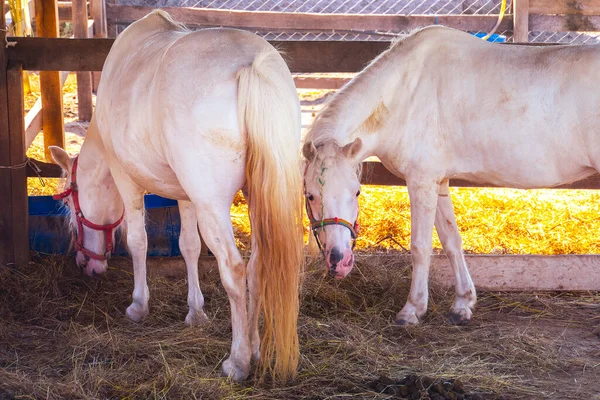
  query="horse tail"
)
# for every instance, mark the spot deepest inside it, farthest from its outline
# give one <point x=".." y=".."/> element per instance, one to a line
<point x="269" y="112"/>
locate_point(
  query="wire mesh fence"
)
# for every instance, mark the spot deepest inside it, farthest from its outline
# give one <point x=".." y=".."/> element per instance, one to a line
<point x="366" y="7"/>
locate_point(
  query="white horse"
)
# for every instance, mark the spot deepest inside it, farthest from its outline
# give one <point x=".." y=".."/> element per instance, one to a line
<point x="442" y="104"/>
<point x="197" y="116"/>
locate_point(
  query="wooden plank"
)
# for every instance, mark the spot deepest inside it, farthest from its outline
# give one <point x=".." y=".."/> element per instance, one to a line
<point x="44" y="170"/>
<point x="42" y="54"/>
<point x="324" y="56"/>
<point x="489" y="272"/>
<point x="579" y="7"/>
<point x="564" y="23"/>
<point x="84" y="78"/>
<point x="278" y="21"/>
<point x="38" y="54"/>
<point x="20" y="228"/>
<point x="317" y="82"/>
<point x="98" y="13"/>
<point x="33" y="119"/>
<point x="374" y="173"/>
<point x="89" y="54"/>
<point x="6" y="238"/>
<point x="521" y="21"/>
<point x="65" y="11"/>
<point x="46" y="13"/>
<point x="524" y="272"/>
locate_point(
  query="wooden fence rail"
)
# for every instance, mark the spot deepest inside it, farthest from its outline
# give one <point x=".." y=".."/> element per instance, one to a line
<point x="540" y="15"/>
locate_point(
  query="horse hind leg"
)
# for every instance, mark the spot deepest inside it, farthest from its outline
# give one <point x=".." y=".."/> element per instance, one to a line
<point x="465" y="295"/>
<point x="189" y="244"/>
<point x="254" y="300"/>
<point x="215" y="226"/>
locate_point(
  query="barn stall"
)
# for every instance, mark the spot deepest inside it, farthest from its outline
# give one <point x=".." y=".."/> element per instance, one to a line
<point x="63" y="335"/>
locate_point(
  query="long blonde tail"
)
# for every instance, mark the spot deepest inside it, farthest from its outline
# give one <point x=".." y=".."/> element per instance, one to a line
<point x="270" y="113"/>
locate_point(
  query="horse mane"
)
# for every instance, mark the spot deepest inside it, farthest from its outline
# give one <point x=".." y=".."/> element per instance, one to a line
<point x="355" y="91"/>
<point x="166" y="17"/>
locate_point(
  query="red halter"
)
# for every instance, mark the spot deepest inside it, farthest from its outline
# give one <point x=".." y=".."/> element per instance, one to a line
<point x="81" y="220"/>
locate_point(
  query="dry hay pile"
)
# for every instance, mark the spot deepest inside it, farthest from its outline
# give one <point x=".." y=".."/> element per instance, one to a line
<point x="64" y="335"/>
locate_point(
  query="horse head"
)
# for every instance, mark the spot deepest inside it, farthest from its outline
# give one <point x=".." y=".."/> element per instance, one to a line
<point x="90" y="194"/>
<point x="332" y="187"/>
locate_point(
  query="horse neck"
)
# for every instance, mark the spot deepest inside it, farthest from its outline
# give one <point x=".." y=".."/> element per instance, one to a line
<point x="361" y="108"/>
<point x="93" y="174"/>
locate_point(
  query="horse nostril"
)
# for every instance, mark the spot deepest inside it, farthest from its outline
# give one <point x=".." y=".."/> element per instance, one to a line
<point x="94" y="274"/>
<point x="335" y="256"/>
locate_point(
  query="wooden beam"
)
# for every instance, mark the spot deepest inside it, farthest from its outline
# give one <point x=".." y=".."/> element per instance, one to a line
<point x="84" y="78"/>
<point x="524" y="272"/>
<point x="7" y="245"/>
<point x="18" y="194"/>
<point x="319" y="82"/>
<point x="98" y="13"/>
<point x="578" y="7"/>
<point x="374" y="173"/>
<point x="46" y="12"/>
<point x="89" y="54"/>
<point x="489" y="272"/>
<point x="278" y="21"/>
<point x="33" y="119"/>
<point x="65" y="11"/>
<point x="37" y="54"/>
<point x="564" y="23"/>
<point x="44" y="170"/>
<point x="521" y="21"/>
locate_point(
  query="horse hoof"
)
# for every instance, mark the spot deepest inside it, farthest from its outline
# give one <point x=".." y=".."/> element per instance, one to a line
<point x="196" y="318"/>
<point x="136" y="312"/>
<point x="459" y="318"/>
<point x="235" y="371"/>
<point x="407" y="320"/>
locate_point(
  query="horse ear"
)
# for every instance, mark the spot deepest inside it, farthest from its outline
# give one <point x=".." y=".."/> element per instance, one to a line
<point x="60" y="157"/>
<point x="309" y="150"/>
<point x="352" y="149"/>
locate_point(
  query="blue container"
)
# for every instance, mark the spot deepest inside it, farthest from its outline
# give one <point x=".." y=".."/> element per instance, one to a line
<point x="49" y="226"/>
<point x="494" y="37"/>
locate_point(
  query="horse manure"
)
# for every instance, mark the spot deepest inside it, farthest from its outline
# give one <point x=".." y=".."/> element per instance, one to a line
<point x="424" y="387"/>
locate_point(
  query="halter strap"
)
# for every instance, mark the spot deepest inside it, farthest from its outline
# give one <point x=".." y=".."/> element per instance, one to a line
<point x="321" y="224"/>
<point x="81" y="220"/>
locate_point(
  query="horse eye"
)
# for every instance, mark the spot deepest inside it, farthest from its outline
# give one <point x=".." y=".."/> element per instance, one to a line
<point x="358" y="193"/>
<point x="310" y="197"/>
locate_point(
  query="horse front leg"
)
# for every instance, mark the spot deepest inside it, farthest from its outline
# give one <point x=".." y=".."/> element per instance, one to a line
<point x="445" y="224"/>
<point x="423" y="201"/>
<point x="190" y="246"/>
<point x="137" y="242"/>
<point x="215" y="226"/>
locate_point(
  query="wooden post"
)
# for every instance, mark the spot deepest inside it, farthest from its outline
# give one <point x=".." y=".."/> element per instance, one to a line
<point x="14" y="235"/>
<point x="46" y="17"/>
<point x="98" y="11"/>
<point x="16" y="125"/>
<point x="84" y="78"/>
<point x="7" y="247"/>
<point x="520" y="21"/>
